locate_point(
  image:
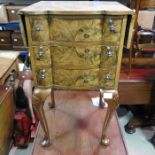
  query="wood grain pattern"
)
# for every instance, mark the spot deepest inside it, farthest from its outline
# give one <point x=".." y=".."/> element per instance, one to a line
<point x="5" y="64"/>
<point x="39" y="28"/>
<point x="79" y="79"/>
<point x="84" y="79"/>
<point x="109" y="56"/>
<point x="41" y="55"/>
<point x="85" y="56"/>
<point x="109" y="36"/>
<point x="44" y="29"/>
<point x="6" y="118"/>
<point x="77" y="8"/>
<point x="76" y="29"/>
<point x="136" y="93"/>
<point x="78" y="56"/>
<point x="9" y="64"/>
<point x="138" y="88"/>
<point x="147" y="4"/>
<point x="43" y="76"/>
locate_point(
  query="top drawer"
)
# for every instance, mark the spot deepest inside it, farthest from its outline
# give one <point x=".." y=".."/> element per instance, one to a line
<point x="104" y="29"/>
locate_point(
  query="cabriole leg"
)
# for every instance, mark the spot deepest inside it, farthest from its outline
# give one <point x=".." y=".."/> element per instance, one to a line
<point x="39" y="97"/>
<point x="100" y="100"/>
<point x="52" y="103"/>
<point x="112" y="105"/>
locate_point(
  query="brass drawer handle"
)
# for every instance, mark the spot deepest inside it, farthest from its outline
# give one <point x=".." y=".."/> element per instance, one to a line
<point x="107" y="77"/>
<point x="111" y="26"/>
<point x="109" y="51"/>
<point x="43" y="74"/>
<point x="41" y="53"/>
<point x="38" y="28"/>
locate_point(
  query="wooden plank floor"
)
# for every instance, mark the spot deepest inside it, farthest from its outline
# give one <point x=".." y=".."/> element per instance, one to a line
<point x="75" y="127"/>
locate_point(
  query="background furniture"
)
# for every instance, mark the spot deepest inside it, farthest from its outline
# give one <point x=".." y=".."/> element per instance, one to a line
<point x="9" y="67"/>
<point x="80" y="52"/>
<point x="143" y="50"/>
<point x="143" y="39"/>
<point x="8" y="71"/>
<point x="6" y="118"/>
<point x="10" y="36"/>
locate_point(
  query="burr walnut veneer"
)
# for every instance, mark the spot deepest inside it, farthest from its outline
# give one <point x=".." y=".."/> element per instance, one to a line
<point x="74" y="46"/>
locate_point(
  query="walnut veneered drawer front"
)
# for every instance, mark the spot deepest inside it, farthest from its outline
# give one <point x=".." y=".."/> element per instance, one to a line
<point x="80" y="79"/>
<point x="84" y="56"/>
<point x="75" y="29"/>
<point x="39" y="29"/>
<point x="85" y="30"/>
<point x="84" y="79"/>
<point x="46" y="28"/>
<point x="41" y="55"/>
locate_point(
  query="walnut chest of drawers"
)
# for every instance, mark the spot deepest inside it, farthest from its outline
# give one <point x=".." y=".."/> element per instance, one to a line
<point x="74" y="45"/>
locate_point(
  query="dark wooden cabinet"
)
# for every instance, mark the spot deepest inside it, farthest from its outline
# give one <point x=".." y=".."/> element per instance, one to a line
<point x="17" y="41"/>
<point x="11" y="40"/>
<point x="12" y="12"/>
<point x="6" y="118"/>
<point x="5" y="40"/>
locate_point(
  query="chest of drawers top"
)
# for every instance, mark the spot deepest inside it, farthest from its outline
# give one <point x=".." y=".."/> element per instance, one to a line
<point x="77" y="7"/>
<point x="73" y="21"/>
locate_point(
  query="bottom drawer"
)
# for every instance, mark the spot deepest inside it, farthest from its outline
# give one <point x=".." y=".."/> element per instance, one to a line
<point x="84" y="79"/>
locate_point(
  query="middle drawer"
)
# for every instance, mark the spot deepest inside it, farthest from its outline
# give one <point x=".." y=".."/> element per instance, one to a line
<point x="84" y="56"/>
<point x="75" y="57"/>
